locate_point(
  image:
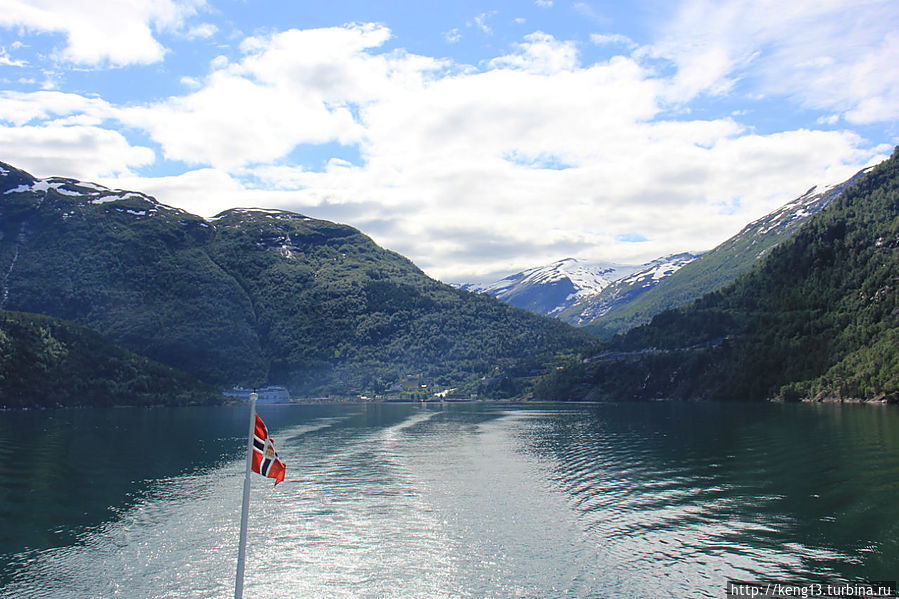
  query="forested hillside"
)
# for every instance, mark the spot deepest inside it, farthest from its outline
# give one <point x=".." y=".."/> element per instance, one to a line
<point x="252" y="296"/>
<point x="47" y="362"/>
<point x="817" y="318"/>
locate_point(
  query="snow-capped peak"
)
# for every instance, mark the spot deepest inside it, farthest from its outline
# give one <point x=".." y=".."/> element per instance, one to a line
<point x="555" y="287"/>
<point x="586" y="278"/>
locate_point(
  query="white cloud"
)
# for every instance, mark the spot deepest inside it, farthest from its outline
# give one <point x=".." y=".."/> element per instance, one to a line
<point x="480" y="21"/>
<point x="117" y="32"/>
<point x="20" y="108"/>
<point x="202" y="31"/>
<point x="605" y="39"/>
<point x="295" y="87"/>
<point x="233" y="121"/>
<point x="589" y="12"/>
<point x="71" y="150"/>
<point x="205" y="191"/>
<point x="838" y="55"/>
<point x="438" y="161"/>
<point x="10" y="62"/>
<point x="540" y="53"/>
<point x="531" y="157"/>
<point x="191" y="82"/>
<point x="219" y="62"/>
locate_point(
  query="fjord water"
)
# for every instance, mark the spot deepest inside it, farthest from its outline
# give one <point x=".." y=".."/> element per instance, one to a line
<point x="467" y="500"/>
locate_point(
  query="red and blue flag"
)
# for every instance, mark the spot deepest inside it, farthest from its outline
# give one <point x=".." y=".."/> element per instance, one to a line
<point x="265" y="458"/>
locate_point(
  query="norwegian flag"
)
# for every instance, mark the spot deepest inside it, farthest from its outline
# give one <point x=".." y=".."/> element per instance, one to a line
<point x="265" y="459"/>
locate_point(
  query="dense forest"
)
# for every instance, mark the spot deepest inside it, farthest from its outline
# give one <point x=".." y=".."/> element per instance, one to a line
<point x="47" y="362"/>
<point x="818" y="318"/>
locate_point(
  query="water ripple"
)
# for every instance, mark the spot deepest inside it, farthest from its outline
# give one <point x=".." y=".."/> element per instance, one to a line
<point x="611" y="501"/>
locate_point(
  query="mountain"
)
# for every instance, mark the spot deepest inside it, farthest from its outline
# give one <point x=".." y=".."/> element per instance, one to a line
<point x="578" y="292"/>
<point x="251" y="295"/>
<point x="817" y="317"/>
<point x="48" y="362"/>
<point x="623" y="291"/>
<point x="550" y="289"/>
<point x="128" y="267"/>
<point x="710" y="271"/>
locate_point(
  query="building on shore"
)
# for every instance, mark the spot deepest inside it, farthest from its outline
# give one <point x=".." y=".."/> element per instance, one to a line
<point x="267" y="394"/>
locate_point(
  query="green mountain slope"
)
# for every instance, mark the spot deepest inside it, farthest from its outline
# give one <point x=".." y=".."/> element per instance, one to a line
<point x="48" y="362"/>
<point x="817" y="318"/>
<point x="128" y="267"/>
<point x="716" y="268"/>
<point x="333" y="309"/>
<point x="250" y="296"/>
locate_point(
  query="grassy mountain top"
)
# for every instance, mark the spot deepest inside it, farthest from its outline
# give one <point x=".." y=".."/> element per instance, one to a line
<point x="818" y="317"/>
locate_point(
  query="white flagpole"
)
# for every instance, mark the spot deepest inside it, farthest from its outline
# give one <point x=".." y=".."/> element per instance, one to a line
<point x="245" y="509"/>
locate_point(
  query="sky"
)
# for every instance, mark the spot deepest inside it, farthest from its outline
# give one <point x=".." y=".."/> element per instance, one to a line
<point x="475" y="138"/>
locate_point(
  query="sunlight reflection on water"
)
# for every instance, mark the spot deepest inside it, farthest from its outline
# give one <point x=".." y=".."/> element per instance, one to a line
<point x="474" y="502"/>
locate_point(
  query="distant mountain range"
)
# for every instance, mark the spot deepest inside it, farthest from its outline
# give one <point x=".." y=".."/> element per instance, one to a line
<point x="550" y="289"/>
<point x="254" y="296"/>
<point x="607" y="299"/>
<point x="625" y="290"/>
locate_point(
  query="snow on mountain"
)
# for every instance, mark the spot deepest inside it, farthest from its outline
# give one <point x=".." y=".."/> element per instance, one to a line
<point x="555" y="287"/>
<point x="792" y="214"/>
<point x="627" y="288"/>
<point x="585" y="277"/>
<point x="608" y="313"/>
<point x="551" y="288"/>
<point x="653" y="272"/>
<point x="19" y="182"/>
<point x="580" y="293"/>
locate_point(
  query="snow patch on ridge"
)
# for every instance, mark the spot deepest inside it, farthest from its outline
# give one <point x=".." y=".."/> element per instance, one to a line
<point x="587" y="278"/>
<point x="89" y="193"/>
<point x="652" y="272"/>
<point x="19" y="189"/>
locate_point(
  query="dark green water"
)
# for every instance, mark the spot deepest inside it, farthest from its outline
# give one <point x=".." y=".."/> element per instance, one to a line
<point x="468" y="500"/>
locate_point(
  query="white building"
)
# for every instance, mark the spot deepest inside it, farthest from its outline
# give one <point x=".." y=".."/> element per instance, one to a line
<point x="267" y="394"/>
